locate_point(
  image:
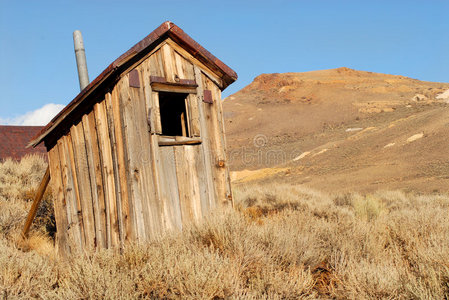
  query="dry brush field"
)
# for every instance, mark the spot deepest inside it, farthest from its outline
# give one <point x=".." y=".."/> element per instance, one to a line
<point x="280" y="241"/>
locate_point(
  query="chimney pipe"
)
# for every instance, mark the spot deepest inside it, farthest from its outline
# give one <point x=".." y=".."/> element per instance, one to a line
<point x="81" y="64"/>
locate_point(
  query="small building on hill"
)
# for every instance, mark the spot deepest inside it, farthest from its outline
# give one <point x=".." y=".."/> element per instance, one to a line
<point x="14" y="139"/>
<point x="141" y="150"/>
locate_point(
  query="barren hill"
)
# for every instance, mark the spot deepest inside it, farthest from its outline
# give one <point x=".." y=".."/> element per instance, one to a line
<point x="340" y="129"/>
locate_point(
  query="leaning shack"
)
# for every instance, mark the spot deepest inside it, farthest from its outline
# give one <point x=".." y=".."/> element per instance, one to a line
<point x="141" y="149"/>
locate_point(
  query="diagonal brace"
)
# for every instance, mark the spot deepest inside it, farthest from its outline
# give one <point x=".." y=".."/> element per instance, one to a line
<point x="37" y="200"/>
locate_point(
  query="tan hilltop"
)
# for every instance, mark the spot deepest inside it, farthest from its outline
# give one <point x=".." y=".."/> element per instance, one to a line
<point x="339" y="130"/>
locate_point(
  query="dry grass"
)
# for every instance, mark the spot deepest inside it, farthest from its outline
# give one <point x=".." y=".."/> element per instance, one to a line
<point x="18" y="183"/>
<point x="284" y="242"/>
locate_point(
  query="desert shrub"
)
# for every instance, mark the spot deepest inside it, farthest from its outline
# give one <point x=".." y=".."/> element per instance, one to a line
<point x="280" y="242"/>
<point x="18" y="183"/>
<point x="25" y="275"/>
<point x="383" y="245"/>
<point x="19" y="178"/>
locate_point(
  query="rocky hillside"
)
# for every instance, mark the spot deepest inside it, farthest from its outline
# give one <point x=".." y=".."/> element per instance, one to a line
<point x="340" y="129"/>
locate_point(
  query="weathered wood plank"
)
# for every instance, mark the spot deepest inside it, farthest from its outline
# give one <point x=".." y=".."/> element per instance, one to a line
<point x="188" y="186"/>
<point x="142" y="60"/>
<point x="184" y="67"/>
<point x="178" y="64"/>
<point x="70" y="154"/>
<point x="196" y="63"/>
<point x="96" y="176"/>
<point x="155" y="114"/>
<point x="115" y="160"/>
<point x="62" y="246"/>
<point x="173" y="88"/>
<point x="169" y="63"/>
<point x="144" y="159"/>
<point x="145" y="74"/>
<point x="132" y="146"/>
<point x="120" y="96"/>
<point x="123" y="162"/>
<point x="178" y="140"/>
<point x="92" y="181"/>
<point x="184" y="189"/>
<point x="181" y="82"/>
<point x="170" y="197"/>
<point x="222" y="136"/>
<point x="35" y="205"/>
<point x="155" y="204"/>
<point x="184" y="128"/>
<point x="195" y="164"/>
<point x="202" y="181"/>
<point x="83" y="177"/>
<point x="67" y="203"/>
<point x="155" y="64"/>
<point x="74" y="226"/>
<point x="215" y="135"/>
<point x="112" y="226"/>
<point x="192" y="102"/>
<point x="206" y="145"/>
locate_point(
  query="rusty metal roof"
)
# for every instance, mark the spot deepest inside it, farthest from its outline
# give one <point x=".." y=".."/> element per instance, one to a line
<point x="165" y="30"/>
<point x="13" y="141"/>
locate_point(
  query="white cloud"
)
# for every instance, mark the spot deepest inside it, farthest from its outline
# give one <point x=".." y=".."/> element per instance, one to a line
<point x="40" y="116"/>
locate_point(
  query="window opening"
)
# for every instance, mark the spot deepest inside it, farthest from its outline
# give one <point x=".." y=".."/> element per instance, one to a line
<point x="173" y="111"/>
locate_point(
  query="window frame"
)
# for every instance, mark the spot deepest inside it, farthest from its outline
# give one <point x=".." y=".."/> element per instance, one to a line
<point x="188" y="87"/>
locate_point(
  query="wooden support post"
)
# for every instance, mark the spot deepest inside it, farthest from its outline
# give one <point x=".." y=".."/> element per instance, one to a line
<point x="36" y="202"/>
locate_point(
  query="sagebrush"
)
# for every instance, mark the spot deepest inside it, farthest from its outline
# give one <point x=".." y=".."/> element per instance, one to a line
<point x="279" y="241"/>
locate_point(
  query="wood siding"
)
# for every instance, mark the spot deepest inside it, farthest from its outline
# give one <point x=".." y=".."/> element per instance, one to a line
<point x="115" y="183"/>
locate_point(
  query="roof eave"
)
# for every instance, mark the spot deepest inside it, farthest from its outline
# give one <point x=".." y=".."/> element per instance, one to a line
<point x="166" y="29"/>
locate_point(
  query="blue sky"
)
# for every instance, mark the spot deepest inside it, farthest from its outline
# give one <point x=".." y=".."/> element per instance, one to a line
<point x="409" y="38"/>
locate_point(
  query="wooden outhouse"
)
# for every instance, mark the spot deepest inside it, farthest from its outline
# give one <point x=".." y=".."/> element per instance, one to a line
<point x="141" y="150"/>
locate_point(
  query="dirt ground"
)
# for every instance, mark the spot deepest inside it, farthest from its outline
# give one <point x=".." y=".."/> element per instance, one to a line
<point x="340" y="130"/>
